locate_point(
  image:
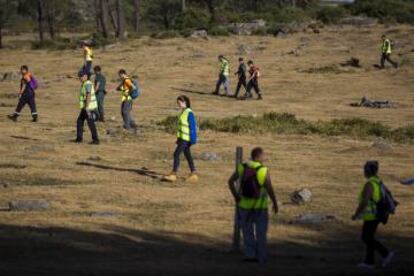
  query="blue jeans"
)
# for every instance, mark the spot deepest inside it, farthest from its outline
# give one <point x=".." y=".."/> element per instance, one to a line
<point x="126" y="108"/>
<point x="254" y="225"/>
<point x="223" y="80"/>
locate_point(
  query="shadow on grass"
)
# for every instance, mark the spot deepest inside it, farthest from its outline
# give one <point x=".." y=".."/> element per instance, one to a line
<point x="143" y="171"/>
<point x="116" y="250"/>
<point x="200" y="92"/>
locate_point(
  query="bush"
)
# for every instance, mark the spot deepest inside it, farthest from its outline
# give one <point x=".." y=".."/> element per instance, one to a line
<point x="330" y="15"/>
<point x="286" y="15"/>
<point x="218" y="31"/>
<point x="192" y="19"/>
<point x="401" y="11"/>
<point x="166" y="34"/>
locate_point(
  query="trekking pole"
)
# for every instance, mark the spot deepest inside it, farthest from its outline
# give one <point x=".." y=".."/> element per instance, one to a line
<point x="236" y="227"/>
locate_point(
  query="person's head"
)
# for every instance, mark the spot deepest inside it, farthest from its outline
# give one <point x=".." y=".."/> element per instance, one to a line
<point x="83" y="76"/>
<point x="257" y="154"/>
<point x="371" y="168"/>
<point x="97" y="69"/>
<point x="241" y="60"/>
<point x="122" y="73"/>
<point x="250" y="63"/>
<point x="183" y="102"/>
<point x="24" y="69"/>
<point x="221" y="58"/>
<point x="383" y="37"/>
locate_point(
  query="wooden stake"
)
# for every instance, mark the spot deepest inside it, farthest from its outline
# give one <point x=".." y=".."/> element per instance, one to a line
<point x="236" y="228"/>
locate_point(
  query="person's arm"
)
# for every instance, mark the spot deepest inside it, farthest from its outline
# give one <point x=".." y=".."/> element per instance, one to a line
<point x="366" y="196"/>
<point x="271" y="193"/>
<point x="193" y="128"/>
<point x="233" y="178"/>
<point x="97" y="85"/>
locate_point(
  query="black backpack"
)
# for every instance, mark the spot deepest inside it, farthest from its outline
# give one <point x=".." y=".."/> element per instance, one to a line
<point x="250" y="186"/>
<point x="386" y="205"/>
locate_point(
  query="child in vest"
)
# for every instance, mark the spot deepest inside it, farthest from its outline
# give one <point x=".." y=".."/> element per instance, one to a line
<point x="26" y="94"/>
<point x="125" y="87"/>
<point x="186" y="137"/>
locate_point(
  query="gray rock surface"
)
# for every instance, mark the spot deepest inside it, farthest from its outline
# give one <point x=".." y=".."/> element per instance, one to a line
<point x="313" y="218"/>
<point x="301" y="196"/>
<point x="29" y="205"/>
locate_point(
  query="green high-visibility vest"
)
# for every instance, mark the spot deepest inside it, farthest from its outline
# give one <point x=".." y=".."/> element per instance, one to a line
<point x="184" y="126"/>
<point x="82" y="96"/>
<point x="224" y="67"/>
<point x="260" y="203"/>
<point x="386" y="46"/>
<point x="370" y="212"/>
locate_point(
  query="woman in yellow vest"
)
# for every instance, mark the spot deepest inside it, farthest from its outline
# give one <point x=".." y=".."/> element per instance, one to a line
<point x="368" y="198"/>
<point x="186" y="137"/>
<point x="87" y="105"/>
<point x="88" y="57"/>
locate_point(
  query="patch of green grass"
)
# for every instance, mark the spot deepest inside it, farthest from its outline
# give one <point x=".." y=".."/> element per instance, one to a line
<point x="285" y="123"/>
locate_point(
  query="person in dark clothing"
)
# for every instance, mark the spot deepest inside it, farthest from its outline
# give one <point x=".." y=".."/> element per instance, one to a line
<point x="366" y="211"/>
<point x="100" y="88"/>
<point x="241" y="74"/>
<point x="26" y="95"/>
<point x="253" y="81"/>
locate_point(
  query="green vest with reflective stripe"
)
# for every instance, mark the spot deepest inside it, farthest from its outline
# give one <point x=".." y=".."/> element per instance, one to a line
<point x="260" y="203"/>
<point x="82" y="96"/>
<point x="184" y="126"/>
<point x="224" y="67"/>
<point x="386" y="46"/>
<point x="370" y="212"/>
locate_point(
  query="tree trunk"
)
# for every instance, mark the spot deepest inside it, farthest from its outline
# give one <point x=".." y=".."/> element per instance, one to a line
<point x="103" y="17"/>
<point x="112" y="15"/>
<point x="211" y="10"/>
<point x="40" y="19"/>
<point x="1" y="35"/>
<point x="137" y="5"/>
<point x="183" y="6"/>
<point x="97" y="16"/>
<point x="50" y="15"/>
<point x="120" y="33"/>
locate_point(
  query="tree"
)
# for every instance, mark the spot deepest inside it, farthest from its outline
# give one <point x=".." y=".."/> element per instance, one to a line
<point x="137" y="11"/>
<point x="164" y="12"/>
<point x="183" y="6"/>
<point x="50" y="17"/>
<point x="101" y="10"/>
<point x="120" y="32"/>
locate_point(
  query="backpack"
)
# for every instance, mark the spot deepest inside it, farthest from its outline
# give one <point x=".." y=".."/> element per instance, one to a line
<point x="250" y="186"/>
<point x="33" y="83"/>
<point x="386" y="205"/>
<point x="136" y="92"/>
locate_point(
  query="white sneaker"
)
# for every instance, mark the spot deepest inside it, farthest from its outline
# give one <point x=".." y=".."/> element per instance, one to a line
<point x="366" y="267"/>
<point x="387" y="260"/>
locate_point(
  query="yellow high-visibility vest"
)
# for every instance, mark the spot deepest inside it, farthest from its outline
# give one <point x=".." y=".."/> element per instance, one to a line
<point x="82" y="96"/>
<point x="386" y="46"/>
<point x="184" y="126"/>
<point x="260" y="203"/>
<point x="370" y="212"/>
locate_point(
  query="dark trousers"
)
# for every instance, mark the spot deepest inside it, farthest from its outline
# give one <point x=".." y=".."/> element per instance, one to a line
<point x="126" y="108"/>
<point x="84" y="116"/>
<point x="242" y="82"/>
<point x="253" y="84"/>
<point x="387" y="57"/>
<point x="100" y="97"/>
<point x="28" y="97"/>
<point x="222" y="80"/>
<point x="183" y="146"/>
<point x="369" y="229"/>
<point x="87" y="67"/>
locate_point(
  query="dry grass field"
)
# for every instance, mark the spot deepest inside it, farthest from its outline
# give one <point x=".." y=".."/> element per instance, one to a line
<point x="157" y="228"/>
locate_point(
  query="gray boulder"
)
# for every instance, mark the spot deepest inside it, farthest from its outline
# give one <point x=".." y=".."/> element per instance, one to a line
<point x="381" y="144"/>
<point x="247" y="28"/>
<point x="209" y="156"/>
<point x="359" y="21"/>
<point x="301" y="196"/>
<point x="29" y="205"/>
<point x="199" y="34"/>
<point x="312" y="218"/>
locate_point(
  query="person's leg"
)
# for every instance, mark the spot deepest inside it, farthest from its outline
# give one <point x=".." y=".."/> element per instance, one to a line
<point x="239" y="85"/>
<point x="226" y="83"/>
<point x="256" y="88"/>
<point x="92" y="127"/>
<point x="249" y="89"/>
<point x="131" y="119"/>
<point x="381" y="249"/>
<point x="79" y="125"/>
<point x="262" y="220"/>
<point x="382" y="62"/>
<point x="218" y="84"/>
<point x="178" y="150"/>
<point x="246" y="223"/>
<point x="88" y="67"/>
<point x="388" y="58"/>
<point x="125" y="114"/>
<point x="99" y="101"/>
<point x="368" y="232"/>
<point x="23" y="100"/>
<point x="189" y="157"/>
<point x="32" y="104"/>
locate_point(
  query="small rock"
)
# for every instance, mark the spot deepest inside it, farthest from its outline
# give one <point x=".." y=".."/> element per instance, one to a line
<point x="280" y="34"/>
<point x="28" y="205"/>
<point x="381" y="144"/>
<point x="312" y="219"/>
<point x="301" y="196"/>
<point x="199" y="34"/>
<point x="105" y="214"/>
<point x="207" y="156"/>
<point x="112" y="132"/>
<point x="94" y="158"/>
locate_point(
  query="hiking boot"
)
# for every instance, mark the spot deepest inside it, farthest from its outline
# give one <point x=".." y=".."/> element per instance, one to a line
<point x="13" y="117"/>
<point x="172" y="177"/>
<point x="34" y="118"/>
<point x="94" y="142"/>
<point x="193" y="178"/>
<point x="260" y="97"/>
<point x="387" y="260"/>
<point x="366" y="267"/>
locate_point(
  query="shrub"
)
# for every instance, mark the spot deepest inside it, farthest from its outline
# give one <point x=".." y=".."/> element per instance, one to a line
<point x="166" y="34"/>
<point x="218" y="31"/>
<point x="192" y="19"/>
<point x="401" y="11"/>
<point x="330" y="15"/>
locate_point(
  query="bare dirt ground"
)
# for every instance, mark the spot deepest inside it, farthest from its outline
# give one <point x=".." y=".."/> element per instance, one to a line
<point x="159" y="228"/>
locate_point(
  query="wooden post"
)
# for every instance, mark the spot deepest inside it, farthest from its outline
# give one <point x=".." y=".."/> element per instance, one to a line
<point x="236" y="228"/>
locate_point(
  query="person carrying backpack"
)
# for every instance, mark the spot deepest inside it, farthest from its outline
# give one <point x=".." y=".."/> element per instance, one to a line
<point x="252" y="201"/>
<point x="28" y="85"/>
<point x="253" y="81"/>
<point x="375" y="204"/>
<point x="127" y="88"/>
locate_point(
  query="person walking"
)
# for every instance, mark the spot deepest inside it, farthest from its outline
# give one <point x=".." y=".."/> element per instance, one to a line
<point x="126" y="88"/>
<point x="100" y="88"/>
<point x="241" y="74"/>
<point x="186" y="138"/>
<point x="253" y="81"/>
<point x="88" y="57"/>
<point x="88" y="106"/>
<point x="386" y="50"/>
<point x="28" y="85"/>
<point x="252" y="202"/>
<point x="367" y="211"/>
<point x="223" y="76"/>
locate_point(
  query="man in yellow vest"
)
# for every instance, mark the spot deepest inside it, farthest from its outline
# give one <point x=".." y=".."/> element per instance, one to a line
<point x="252" y="201"/>
<point x="386" y="52"/>
<point x="223" y="76"/>
<point x="367" y="211"/>
<point x="88" y="106"/>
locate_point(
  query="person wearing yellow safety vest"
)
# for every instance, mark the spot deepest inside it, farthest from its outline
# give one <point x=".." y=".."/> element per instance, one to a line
<point x="186" y="138"/>
<point x="88" y="57"/>
<point x="126" y="88"/>
<point x="386" y="52"/>
<point x="368" y="199"/>
<point x="252" y="204"/>
<point x="223" y="76"/>
<point x="88" y="106"/>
